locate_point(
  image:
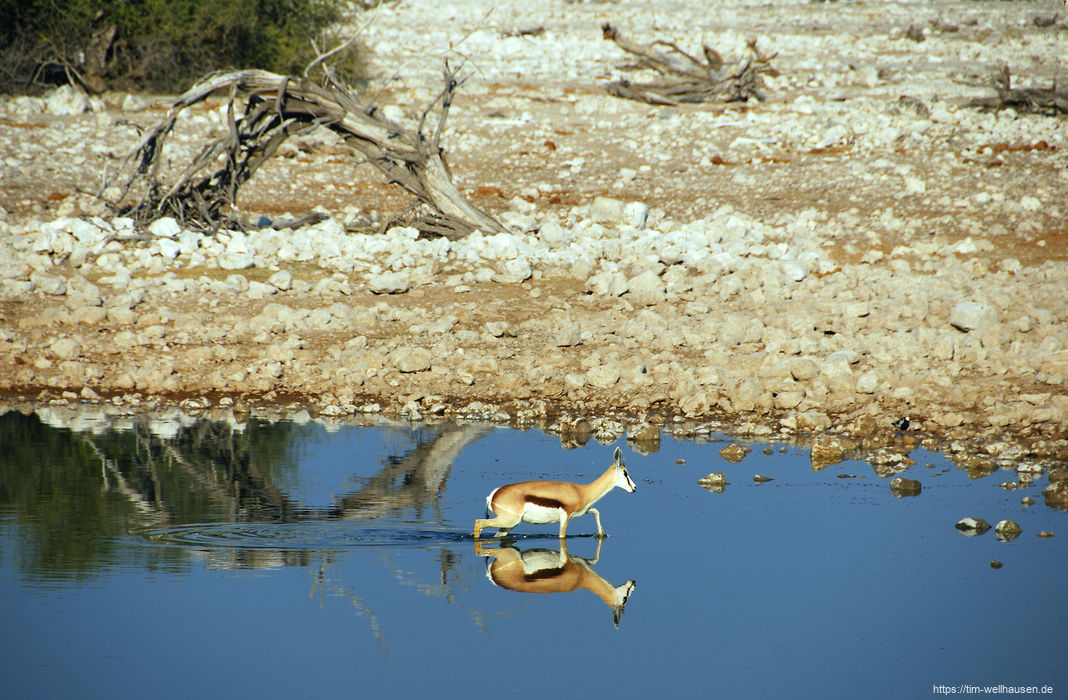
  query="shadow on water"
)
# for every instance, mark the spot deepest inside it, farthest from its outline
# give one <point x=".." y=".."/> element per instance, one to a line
<point x="832" y="573"/>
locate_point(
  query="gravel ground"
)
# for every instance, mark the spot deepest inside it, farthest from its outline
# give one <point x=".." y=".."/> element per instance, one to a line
<point x="860" y="247"/>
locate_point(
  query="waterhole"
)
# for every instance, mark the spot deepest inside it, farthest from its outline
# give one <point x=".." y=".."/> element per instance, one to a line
<point x="192" y="557"/>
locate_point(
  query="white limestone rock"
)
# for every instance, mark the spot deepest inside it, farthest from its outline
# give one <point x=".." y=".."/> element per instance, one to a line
<point x="969" y="315"/>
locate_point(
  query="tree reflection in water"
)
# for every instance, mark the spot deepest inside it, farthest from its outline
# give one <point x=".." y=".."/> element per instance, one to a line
<point x="73" y="498"/>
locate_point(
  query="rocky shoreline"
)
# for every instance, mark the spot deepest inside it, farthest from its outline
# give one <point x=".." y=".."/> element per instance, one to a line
<point x="612" y="312"/>
<point x="606" y="310"/>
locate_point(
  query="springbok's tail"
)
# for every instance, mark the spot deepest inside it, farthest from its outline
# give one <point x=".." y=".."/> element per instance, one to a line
<point x="489" y="501"/>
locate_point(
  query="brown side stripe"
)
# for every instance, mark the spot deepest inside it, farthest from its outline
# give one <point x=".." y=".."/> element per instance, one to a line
<point x="543" y="574"/>
<point x="544" y="502"/>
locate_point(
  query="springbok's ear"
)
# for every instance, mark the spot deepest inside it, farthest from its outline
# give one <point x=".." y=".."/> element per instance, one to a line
<point x="617" y="456"/>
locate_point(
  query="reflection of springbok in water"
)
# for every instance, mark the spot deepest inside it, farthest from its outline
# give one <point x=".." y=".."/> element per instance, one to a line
<point x="551" y="571"/>
<point x="542" y="502"/>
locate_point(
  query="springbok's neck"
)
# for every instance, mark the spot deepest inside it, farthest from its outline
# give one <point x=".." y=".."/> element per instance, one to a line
<point x="596" y="489"/>
<point x="593" y="583"/>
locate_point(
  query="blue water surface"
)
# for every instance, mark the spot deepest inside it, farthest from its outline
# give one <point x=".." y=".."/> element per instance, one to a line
<point x="295" y="560"/>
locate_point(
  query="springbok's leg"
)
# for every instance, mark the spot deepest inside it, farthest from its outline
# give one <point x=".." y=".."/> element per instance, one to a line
<point x="563" y="524"/>
<point x="596" y="554"/>
<point x="505" y="521"/>
<point x="597" y="517"/>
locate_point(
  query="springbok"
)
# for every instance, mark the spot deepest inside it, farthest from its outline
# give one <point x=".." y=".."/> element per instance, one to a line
<point x="551" y="571"/>
<point x="542" y="502"/>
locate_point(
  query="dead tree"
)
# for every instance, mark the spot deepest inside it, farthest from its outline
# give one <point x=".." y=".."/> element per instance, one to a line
<point x="1050" y="101"/>
<point x="276" y="107"/>
<point x="687" y="78"/>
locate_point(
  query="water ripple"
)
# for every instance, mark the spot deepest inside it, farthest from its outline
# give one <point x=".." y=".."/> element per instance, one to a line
<point x="303" y="535"/>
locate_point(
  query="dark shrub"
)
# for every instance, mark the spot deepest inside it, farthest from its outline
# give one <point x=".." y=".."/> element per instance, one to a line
<point x="158" y="45"/>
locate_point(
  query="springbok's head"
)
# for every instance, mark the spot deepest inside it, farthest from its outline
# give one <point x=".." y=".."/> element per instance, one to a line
<point x="622" y="477"/>
<point x="622" y="594"/>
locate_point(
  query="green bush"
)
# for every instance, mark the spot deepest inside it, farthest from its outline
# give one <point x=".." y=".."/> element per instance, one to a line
<point x="158" y="45"/>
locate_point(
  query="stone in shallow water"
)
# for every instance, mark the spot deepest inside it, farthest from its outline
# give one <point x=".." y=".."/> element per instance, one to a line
<point x="827" y="450"/>
<point x="1056" y="494"/>
<point x="716" y="482"/>
<point x="972" y="526"/>
<point x="900" y="487"/>
<point x="734" y="452"/>
<point x="1007" y="530"/>
<point x="647" y="437"/>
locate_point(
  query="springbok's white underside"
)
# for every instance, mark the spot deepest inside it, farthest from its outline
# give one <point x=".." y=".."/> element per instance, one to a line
<point x="540" y="515"/>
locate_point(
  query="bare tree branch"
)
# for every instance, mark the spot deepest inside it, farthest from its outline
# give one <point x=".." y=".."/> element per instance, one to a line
<point x="275" y="108"/>
<point x="1050" y="101"/>
<point x="688" y="78"/>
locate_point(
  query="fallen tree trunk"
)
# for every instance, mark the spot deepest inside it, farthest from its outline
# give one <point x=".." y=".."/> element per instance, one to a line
<point x="1049" y="101"/>
<point x="687" y="78"/>
<point x="277" y="107"/>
